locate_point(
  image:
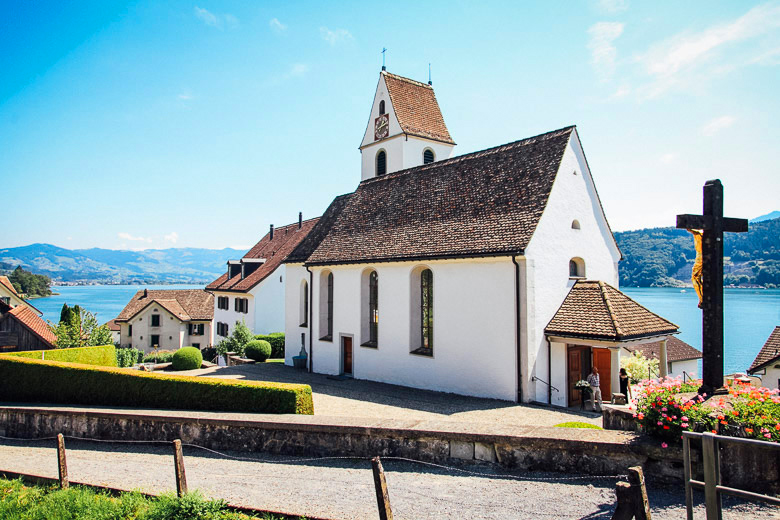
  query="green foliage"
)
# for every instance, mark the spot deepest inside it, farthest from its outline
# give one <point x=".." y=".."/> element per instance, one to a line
<point x="29" y="380"/>
<point x="102" y="356"/>
<point x="127" y="357"/>
<point x="80" y="329"/>
<point x="186" y="358"/>
<point x="638" y="367"/>
<point x="237" y="341"/>
<point x="258" y="350"/>
<point x="276" y="339"/>
<point x="577" y="424"/>
<point x="209" y="353"/>
<point x="161" y="356"/>
<point x="30" y="284"/>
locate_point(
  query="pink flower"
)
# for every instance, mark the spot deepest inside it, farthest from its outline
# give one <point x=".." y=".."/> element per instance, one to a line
<point x="684" y="418"/>
<point x="660" y="423"/>
<point x="664" y="445"/>
<point x="663" y="409"/>
<point x="684" y="425"/>
<point x="768" y="435"/>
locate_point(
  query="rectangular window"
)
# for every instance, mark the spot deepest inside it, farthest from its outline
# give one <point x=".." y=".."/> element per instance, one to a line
<point x="130" y="330"/>
<point x="330" y="305"/>
<point x="154" y="341"/>
<point x="222" y="302"/>
<point x="6" y="300"/>
<point x="195" y="329"/>
<point x="222" y="329"/>
<point x="373" y="309"/>
<point x="196" y="345"/>
<point x="426" y="306"/>
<point x="155" y="320"/>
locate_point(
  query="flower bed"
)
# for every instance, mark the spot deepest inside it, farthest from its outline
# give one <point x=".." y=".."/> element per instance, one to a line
<point x="664" y="409"/>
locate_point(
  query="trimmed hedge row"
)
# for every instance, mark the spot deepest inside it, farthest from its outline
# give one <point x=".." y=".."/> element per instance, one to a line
<point x="104" y="356"/>
<point x="276" y="339"/>
<point x="29" y="380"/>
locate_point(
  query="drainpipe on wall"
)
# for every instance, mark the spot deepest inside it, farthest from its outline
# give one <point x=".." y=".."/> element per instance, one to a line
<point x="311" y="315"/>
<point x="517" y="332"/>
<point x="549" y="370"/>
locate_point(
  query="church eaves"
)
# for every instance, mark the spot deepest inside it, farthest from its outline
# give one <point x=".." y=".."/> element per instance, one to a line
<point x="486" y="203"/>
<point x="416" y="108"/>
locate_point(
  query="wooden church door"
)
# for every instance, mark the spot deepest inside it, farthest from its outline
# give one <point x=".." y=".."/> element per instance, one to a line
<point x="602" y="359"/>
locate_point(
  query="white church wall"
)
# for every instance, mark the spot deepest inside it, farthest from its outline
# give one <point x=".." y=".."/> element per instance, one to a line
<point x="474" y="338"/>
<point x="559" y="377"/>
<point x="268" y="298"/>
<point x="414" y="148"/>
<point x="554" y="243"/>
<point x="380" y="95"/>
<point x="394" y="150"/>
<point x="295" y="275"/>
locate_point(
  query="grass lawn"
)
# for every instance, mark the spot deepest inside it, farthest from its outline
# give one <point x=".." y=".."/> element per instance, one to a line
<point x="22" y="502"/>
<point x="276" y="360"/>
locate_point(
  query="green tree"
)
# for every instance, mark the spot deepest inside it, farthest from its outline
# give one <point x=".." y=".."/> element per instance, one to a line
<point x="237" y="341"/>
<point x="638" y="367"/>
<point x="80" y="329"/>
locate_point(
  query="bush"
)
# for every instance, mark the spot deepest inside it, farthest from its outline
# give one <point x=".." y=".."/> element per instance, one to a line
<point x="276" y="339"/>
<point x="104" y="356"/>
<point x="258" y="350"/>
<point x="237" y="341"/>
<point x="32" y="380"/>
<point x="638" y="367"/>
<point x="209" y="353"/>
<point x="187" y="358"/>
<point x="162" y="356"/>
<point x="127" y="357"/>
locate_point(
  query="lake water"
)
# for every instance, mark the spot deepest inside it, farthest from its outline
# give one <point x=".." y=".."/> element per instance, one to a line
<point x="750" y="314"/>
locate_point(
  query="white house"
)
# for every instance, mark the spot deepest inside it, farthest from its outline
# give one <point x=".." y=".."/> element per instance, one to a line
<point x="465" y="259"/>
<point x="168" y="319"/>
<point x="767" y="362"/>
<point x="252" y="289"/>
<point x="682" y="359"/>
<point x="8" y="294"/>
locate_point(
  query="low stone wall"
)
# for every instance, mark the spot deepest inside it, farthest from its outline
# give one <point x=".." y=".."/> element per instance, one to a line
<point x="618" y="417"/>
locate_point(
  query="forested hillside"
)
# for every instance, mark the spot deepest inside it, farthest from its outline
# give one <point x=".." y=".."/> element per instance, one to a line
<point x="663" y="257"/>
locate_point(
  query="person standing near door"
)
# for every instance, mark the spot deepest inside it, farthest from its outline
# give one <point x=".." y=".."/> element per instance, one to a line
<point x="595" y="383"/>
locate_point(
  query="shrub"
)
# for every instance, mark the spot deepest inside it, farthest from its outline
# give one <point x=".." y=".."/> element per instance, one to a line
<point x="209" y="353"/>
<point x="187" y="358"/>
<point x="127" y="357"/>
<point x="237" y="341"/>
<point x="104" y="356"/>
<point x="162" y="356"/>
<point x="258" y="350"/>
<point x="32" y="380"/>
<point x="638" y="367"/>
<point x="276" y="339"/>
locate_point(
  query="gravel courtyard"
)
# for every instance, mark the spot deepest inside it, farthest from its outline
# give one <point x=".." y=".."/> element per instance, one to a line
<point x="358" y="398"/>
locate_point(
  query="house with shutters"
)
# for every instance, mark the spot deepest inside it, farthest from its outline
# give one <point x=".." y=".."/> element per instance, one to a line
<point x="167" y="319"/>
<point x="251" y="291"/>
<point x="490" y="274"/>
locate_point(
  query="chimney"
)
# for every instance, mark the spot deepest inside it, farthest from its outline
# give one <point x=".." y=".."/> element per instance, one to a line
<point x="300" y="219"/>
<point x="272" y="233"/>
<point x="146" y="293"/>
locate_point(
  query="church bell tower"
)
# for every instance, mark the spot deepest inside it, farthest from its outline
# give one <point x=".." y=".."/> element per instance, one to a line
<point x="405" y="129"/>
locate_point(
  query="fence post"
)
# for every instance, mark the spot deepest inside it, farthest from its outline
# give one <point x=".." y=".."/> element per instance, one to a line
<point x="709" y="449"/>
<point x="178" y="460"/>
<point x="62" y="464"/>
<point x="625" y="502"/>
<point x="687" y="476"/>
<point x="382" y="497"/>
<point x="641" y="504"/>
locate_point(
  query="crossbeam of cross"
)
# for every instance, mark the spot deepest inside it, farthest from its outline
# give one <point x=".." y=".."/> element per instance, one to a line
<point x="713" y="224"/>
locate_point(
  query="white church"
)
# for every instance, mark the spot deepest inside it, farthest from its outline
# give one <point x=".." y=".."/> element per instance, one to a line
<point x="491" y="274"/>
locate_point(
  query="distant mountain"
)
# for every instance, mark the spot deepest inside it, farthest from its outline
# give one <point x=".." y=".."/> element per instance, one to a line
<point x="768" y="216"/>
<point x="663" y="257"/>
<point x="175" y="265"/>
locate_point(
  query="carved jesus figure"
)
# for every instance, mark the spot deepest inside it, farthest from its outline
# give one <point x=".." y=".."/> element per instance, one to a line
<point x="696" y="273"/>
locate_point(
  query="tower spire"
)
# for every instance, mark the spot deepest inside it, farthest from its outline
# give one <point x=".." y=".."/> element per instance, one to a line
<point x="429" y="75"/>
<point x="383" y="58"/>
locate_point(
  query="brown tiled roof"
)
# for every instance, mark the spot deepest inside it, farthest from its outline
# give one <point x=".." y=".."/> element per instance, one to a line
<point x="480" y="204"/>
<point x="5" y="281"/>
<point x="416" y="108"/>
<point x="676" y="350"/>
<point x="769" y="353"/>
<point x="596" y="310"/>
<point x="112" y="325"/>
<point x="275" y="251"/>
<point x="313" y="238"/>
<point x="185" y="304"/>
<point x="30" y="319"/>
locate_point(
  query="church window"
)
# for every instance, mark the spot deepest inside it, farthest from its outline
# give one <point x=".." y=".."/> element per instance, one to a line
<point x="381" y="107"/>
<point x="381" y="163"/>
<point x="428" y="157"/>
<point x="576" y="268"/>
<point x="304" y="310"/>
<point x="370" y="314"/>
<point x="575" y="224"/>
<point x="326" y="306"/>
<point x="421" y="323"/>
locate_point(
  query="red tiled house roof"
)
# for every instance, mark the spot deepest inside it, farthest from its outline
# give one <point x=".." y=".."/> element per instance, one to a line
<point x="112" y="325"/>
<point x="30" y="319"/>
<point x="185" y="304"/>
<point x="676" y="350"/>
<point x="596" y="310"/>
<point x="5" y="281"/>
<point x="486" y="203"/>
<point x="286" y="239"/>
<point x="768" y="354"/>
<point x="416" y="108"/>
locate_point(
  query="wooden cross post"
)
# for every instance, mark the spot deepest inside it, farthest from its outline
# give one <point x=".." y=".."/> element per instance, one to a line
<point x="713" y="224"/>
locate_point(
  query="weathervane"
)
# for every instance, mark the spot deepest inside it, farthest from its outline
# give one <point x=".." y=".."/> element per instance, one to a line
<point x="383" y="58"/>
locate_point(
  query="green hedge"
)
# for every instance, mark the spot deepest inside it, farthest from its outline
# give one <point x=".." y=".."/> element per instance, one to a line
<point x="276" y="339"/>
<point x="127" y="357"/>
<point x="162" y="356"/>
<point x="187" y="358"/>
<point x="104" y="356"/>
<point x="30" y="380"/>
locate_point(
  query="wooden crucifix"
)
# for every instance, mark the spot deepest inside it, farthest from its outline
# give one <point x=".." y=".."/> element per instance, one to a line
<point x="713" y="224"/>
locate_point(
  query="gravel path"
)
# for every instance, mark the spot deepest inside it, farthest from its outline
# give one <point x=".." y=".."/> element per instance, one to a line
<point x="343" y="488"/>
<point x="359" y="398"/>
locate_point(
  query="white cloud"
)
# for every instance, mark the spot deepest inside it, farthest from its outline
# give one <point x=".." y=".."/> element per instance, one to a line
<point x="185" y="96"/>
<point x="128" y="236"/>
<point x="613" y="6"/>
<point x="299" y="69"/>
<point x="603" y="52"/>
<point x="622" y="91"/>
<point x="668" y="158"/>
<point x="717" y="124"/>
<point x="215" y="20"/>
<point x="172" y="237"/>
<point x="276" y="25"/>
<point x="335" y="36"/>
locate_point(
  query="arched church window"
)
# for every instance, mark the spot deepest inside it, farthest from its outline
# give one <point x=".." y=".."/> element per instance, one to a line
<point x="381" y="107"/>
<point x="576" y="268"/>
<point x="381" y="163"/>
<point x="304" y="308"/>
<point x="326" y="306"/>
<point x="575" y="224"/>
<point x="428" y="156"/>
<point x="426" y="310"/>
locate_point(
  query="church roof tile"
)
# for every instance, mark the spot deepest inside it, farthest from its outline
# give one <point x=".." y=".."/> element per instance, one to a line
<point x="416" y="108"/>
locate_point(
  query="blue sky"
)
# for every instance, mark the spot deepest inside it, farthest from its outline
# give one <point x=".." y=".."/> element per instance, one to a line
<point x="149" y="124"/>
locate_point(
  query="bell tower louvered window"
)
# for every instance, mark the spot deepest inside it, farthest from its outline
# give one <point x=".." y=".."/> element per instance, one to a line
<point x="381" y="107"/>
<point x="381" y="163"/>
<point x="428" y="156"/>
